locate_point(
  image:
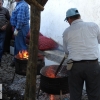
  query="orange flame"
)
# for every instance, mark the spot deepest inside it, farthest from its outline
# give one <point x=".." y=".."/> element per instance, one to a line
<point x="50" y="72"/>
<point x="23" y="54"/>
<point x="52" y="97"/>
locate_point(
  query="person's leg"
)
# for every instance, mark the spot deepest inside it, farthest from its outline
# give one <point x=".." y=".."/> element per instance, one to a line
<point x="20" y="42"/>
<point x="2" y="39"/>
<point x="76" y="81"/>
<point x="8" y="38"/>
<point x="93" y="81"/>
<point x="20" y="39"/>
<point x="18" y="46"/>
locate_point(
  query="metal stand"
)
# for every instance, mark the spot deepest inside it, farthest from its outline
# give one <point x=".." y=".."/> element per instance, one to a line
<point x="61" y="94"/>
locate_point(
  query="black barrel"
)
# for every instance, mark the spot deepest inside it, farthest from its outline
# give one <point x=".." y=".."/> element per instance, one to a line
<point x="21" y="66"/>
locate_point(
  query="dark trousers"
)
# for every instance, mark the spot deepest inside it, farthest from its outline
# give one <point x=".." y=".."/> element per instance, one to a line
<point x="8" y="38"/>
<point x="2" y="39"/>
<point x="88" y="71"/>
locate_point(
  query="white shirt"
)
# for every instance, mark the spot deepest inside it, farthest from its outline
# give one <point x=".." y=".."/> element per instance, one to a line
<point x="80" y="40"/>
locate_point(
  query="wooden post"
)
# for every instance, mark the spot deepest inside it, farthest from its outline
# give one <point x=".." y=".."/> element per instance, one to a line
<point x="30" y="90"/>
<point x="33" y="52"/>
<point x="36" y="4"/>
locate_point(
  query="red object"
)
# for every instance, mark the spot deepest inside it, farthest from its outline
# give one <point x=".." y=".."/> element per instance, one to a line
<point x="40" y="56"/>
<point x="46" y="43"/>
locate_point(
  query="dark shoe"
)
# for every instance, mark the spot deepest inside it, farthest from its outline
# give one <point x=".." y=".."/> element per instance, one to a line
<point x="12" y="64"/>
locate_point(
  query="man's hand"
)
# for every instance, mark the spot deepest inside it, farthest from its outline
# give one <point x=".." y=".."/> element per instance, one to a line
<point x="15" y="32"/>
<point x="4" y="27"/>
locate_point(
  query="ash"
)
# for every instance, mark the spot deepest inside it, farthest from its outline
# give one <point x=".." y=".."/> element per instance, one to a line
<point x="14" y="89"/>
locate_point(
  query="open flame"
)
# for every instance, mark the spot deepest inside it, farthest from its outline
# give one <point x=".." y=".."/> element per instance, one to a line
<point x="50" y="72"/>
<point x="52" y="97"/>
<point x="23" y="54"/>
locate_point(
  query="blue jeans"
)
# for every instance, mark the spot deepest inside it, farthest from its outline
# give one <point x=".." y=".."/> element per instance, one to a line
<point x="20" y="40"/>
<point x="2" y="39"/>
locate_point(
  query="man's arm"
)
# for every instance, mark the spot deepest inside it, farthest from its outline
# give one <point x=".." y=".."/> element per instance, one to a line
<point x="98" y="34"/>
<point x="7" y="15"/>
<point x="65" y="47"/>
<point x="8" y="19"/>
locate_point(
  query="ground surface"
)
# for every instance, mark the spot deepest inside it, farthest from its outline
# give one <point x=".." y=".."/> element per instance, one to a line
<point x="15" y="90"/>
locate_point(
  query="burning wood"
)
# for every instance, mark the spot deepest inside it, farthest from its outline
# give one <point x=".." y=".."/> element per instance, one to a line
<point x="23" y="55"/>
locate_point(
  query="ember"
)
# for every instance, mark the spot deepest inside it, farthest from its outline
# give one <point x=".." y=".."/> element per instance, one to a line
<point x="22" y="54"/>
<point x="50" y="72"/>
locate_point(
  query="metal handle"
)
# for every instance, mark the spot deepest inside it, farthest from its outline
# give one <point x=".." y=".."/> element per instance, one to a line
<point x="59" y="66"/>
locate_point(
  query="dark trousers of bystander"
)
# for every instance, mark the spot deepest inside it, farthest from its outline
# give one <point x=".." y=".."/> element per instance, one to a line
<point x="20" y="41"/>
<point x="88" y="71"/>
<point x="8" y="38"/>
<point x="2" y="39"/>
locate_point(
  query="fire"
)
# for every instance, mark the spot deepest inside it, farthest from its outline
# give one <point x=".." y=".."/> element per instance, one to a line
<point x="52" y="97"/>
<point x="23" y="54"/>
<point x="50" y="72"/>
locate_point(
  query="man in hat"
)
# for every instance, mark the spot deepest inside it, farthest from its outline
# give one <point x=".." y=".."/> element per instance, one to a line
<point x="20" y="22"/>
<point x="4" y="20"/>
<point x="80" y="42"/>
